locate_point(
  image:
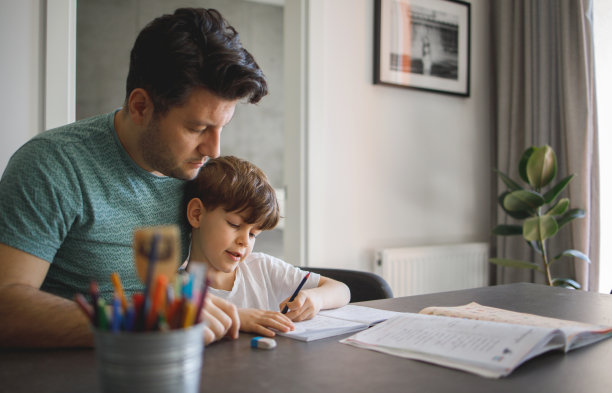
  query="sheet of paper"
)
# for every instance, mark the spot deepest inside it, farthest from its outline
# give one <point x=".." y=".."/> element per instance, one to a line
<point x="321" y="326"/>
<point x="477" y="311"/>
<point x="454" y="342"/>
<point x="352" y="312"/>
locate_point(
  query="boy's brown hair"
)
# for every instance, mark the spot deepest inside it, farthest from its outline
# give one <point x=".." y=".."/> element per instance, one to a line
<point x="237" y="186"/>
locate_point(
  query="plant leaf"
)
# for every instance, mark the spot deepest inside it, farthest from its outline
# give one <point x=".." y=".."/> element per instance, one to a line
<point x="541" y="167"/>
<point x="573" y="253"/>
<point x="556" y="190"/>
<point x="523" y="201"/>
<point x="523" y="163"/>
<point x="559" y="208"/>
<point x="518" y="215"/>
<point x="507" y="230"/>
<point x="514" y="263"/>
<point x="539" y="228"/>
<point x="569" y="216"/>
<point x="566" y="283"/>
<point x="511" y="184"/>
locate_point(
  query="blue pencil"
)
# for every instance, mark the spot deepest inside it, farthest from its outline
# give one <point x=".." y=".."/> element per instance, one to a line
<point x="295" y="293"/>
<point x="116" y="322"/>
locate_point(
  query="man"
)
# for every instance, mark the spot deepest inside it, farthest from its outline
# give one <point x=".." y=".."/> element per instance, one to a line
<point x="72" y="197"/>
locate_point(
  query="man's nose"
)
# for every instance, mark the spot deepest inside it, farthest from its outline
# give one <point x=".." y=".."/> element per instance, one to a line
<point x="210" y="144"/>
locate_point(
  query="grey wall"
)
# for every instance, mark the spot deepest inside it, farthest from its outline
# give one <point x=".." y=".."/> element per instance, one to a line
<point x="106" y="31"/>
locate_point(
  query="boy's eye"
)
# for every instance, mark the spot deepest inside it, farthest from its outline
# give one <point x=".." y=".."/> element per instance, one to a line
<point x="231" y="224"/>
<point x="252" y="235"/>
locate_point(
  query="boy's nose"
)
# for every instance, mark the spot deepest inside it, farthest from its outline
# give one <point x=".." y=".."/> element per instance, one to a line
<point x="243" y="239"/>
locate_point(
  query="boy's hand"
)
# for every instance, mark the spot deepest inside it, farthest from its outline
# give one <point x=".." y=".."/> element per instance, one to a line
<point x="258" y="321"/>
<point x="305" y="306"/>
<point x="222" y="319"/>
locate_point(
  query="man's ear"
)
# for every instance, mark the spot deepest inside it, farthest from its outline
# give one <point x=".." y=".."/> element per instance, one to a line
<point x="140" y="106"/>
<point x="195" y="208"/>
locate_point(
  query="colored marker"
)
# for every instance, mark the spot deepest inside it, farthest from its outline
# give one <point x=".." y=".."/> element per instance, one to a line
<point x="295" y="293"/>
<point x="201" y="301"/>
<point x="95" y="294"/>
<point x="189" y="314"/>
<point x="129" y="322"/>
<point x="116" y="321"/>
<point x="102" y="321"/>
<point x="119" y="290"/>
<point x="157" y="304"/>
<point x="84" y="306"/>
<point x="150" y="269"/>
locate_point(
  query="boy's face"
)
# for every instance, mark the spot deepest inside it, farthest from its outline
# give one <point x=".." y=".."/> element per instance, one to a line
<point x="221" y="239"/>
<point x="179" y="143"/>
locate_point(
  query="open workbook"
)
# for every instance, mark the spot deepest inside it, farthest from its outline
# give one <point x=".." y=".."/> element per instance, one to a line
<point x="487" y="341"/>
<point x="347" y="319"/>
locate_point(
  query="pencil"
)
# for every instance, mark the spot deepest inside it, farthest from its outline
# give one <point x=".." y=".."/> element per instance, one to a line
<point x="119" y="290"/>
<point x="157" y="304"/>
<point x="85" y="306"/>
<point x="295" y="293"/>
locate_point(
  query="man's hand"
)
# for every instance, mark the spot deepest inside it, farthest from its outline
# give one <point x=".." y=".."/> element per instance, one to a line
<point x="221" y="319"/>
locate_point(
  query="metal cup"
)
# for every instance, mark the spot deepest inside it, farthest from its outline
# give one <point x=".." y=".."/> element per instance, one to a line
<point x="152" y="362"/>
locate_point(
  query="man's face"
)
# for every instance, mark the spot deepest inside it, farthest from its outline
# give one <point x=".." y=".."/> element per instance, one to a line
<point x="180" y="142"/>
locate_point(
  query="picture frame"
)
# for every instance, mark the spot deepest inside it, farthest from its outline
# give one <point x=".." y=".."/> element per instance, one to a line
<point x="423" y="44"/>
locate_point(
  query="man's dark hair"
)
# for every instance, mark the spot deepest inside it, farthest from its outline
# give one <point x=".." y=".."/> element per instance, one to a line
<point x="192" y="48"/>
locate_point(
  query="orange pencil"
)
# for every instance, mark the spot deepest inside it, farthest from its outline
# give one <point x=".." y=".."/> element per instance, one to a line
<point x="157" y="304"/>
<point x="119" y="289"/>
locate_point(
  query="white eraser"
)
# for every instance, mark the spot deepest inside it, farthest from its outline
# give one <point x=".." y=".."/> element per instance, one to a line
<point x="263" y="343"/>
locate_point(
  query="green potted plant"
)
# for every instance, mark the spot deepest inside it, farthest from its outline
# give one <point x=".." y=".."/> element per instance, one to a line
<point x="542" y="214"/>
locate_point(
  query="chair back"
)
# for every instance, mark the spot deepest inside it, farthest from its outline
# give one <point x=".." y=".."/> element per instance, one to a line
<point x="363" y="285"/>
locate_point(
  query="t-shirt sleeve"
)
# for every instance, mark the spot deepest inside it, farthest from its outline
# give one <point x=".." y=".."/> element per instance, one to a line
<point x="39" y="199"/>
<point x="286" y="278"/>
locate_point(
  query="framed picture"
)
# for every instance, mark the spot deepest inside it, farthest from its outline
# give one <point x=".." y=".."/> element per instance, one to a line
<point x="423" y="44"/>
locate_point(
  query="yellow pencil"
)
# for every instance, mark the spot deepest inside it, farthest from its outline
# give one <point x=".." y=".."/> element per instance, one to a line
<point x="189" y="314"/>
<point x="119" y="289"/>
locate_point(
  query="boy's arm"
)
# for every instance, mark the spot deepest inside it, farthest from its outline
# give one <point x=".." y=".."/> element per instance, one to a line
<point x="329" y="294"/>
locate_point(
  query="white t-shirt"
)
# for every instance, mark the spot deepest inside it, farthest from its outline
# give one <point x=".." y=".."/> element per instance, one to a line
<point x="263" y="282"/>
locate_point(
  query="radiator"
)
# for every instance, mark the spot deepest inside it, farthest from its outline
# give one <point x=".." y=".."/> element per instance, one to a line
<point x="428" y="269"/>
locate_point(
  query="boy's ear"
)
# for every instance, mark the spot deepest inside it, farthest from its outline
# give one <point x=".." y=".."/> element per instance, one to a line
<point x="194" y="212"/>
<point x="140" y="106"/>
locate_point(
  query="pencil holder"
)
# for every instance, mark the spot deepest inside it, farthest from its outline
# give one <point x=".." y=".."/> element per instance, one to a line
<point x="152" y="362"/>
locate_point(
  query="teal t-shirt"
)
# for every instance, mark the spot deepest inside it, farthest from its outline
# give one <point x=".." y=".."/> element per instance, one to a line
<point x="73" y="196"/>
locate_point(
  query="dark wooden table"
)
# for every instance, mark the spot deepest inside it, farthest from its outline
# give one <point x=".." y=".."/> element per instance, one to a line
<point x="329" y="366"/>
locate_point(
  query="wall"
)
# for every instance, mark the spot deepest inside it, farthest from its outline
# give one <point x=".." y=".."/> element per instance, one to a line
<point x="390" y="166"/>
<point x="106" y="32"/>
<point x="386" y="166"/>
<point x="21" y="74"/>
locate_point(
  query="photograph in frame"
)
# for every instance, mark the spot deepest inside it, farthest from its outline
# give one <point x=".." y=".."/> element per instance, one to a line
<point x="423" y="44"/>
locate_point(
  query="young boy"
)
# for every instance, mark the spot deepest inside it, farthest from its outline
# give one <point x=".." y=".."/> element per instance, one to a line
<point x="228" y="204"/>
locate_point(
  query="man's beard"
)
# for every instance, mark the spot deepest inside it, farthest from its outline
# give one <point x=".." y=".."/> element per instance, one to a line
<point x="157" y="154"/>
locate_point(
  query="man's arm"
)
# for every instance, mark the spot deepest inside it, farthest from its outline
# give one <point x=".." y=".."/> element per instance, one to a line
<point x="31" y="317"/>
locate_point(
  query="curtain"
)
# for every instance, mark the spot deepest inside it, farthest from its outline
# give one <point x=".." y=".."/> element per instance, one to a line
<point x="544" y="93"/>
